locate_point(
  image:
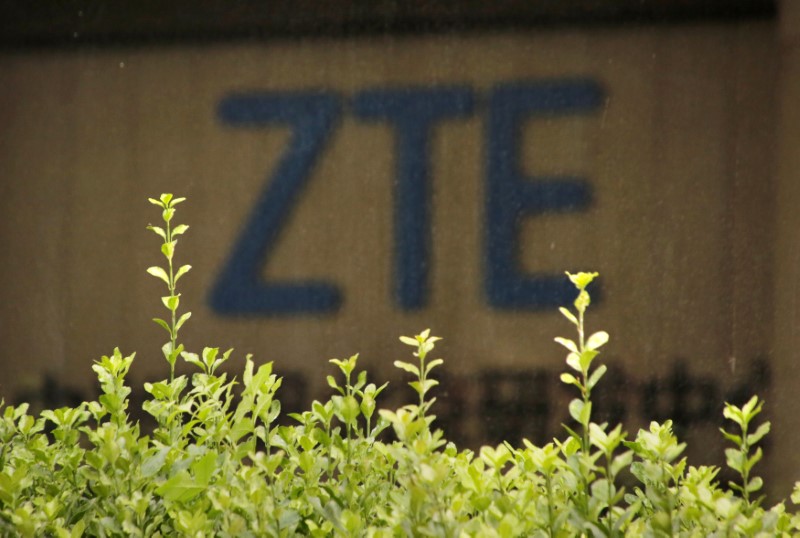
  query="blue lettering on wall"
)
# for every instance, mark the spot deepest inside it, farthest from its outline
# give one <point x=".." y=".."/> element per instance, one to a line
<point x="239" y="288"/>
<point x="511" y="195"/>
<point x="412" y="112"/>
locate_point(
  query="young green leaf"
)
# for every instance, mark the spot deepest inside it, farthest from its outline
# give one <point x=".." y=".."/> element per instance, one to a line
<point x="567" y="343"/>
<point x="596" y="340"/>
<point x="408" y="367"/>
<point x="158" y="272"/>
<point x="182" y="271"/>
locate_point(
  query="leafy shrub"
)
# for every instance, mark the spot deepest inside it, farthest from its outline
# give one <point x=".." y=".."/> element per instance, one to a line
<point x="219" y="464"/>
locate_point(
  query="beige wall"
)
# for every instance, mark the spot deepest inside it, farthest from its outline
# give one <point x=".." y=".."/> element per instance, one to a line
<point x="680" y="156"/>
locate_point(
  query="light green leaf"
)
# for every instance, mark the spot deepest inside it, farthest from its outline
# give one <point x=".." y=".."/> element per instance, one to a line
<point x="332" y="383"/>
<point x="569" y="379"/>
<point x="574" y="362"/>
<point x="569" y="315"/>
<point x="179" y="229"/>
<point x="409" y="341"/>
<point x="155" y="202"/>
<point x="346" y="408"/>
<point x="78" y="529"/>
<point x="731" y="412"/>
<point x="752" y="408"/>
<point x="158" y="272"/>
<point x="163" y="324"/>
<point x="596" y="340"/>
<point x="755" y="458"/>
<point x="756" y="436"/>
<point x="168" y="249"/>
<point x="586" y="358"/>
<point x="734" y="458"/>
<point x="408" y="367"/>
<point x="158" y="231"/>
<point x="731" y="437"/>
<point x="581" y="280"/>
<point x="567" y="343"/>
<point x="433" y="364"/>
<point x="171" y="302"/>
<point x="755" y="484"/>
<point x="182" y="320"/>
<point x="576" y="409"/>
<point x="192" y="358"/>
<point x="154" y="463"/>
<point x="596" y="376"/>
<point x="180" y="488"/>
<point x="203" y="468"/>
<point x="182" y="271"/>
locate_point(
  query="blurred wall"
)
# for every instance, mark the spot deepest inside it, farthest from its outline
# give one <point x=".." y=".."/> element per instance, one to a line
<point x="644" y="153"/>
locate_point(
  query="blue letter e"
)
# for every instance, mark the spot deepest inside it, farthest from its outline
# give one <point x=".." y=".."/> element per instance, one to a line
<point x="510" y="195"/>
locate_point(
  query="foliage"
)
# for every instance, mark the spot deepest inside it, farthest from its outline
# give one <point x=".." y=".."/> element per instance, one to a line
<point x="219" y="464"/>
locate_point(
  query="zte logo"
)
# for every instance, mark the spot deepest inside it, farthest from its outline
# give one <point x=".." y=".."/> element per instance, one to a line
<point x="412" y="112"/>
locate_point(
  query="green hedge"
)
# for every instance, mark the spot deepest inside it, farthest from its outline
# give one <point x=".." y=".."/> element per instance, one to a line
<point x="218" y="463"/>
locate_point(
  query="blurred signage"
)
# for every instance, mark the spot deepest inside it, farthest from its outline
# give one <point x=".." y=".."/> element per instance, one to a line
<point x="412" y="113"/>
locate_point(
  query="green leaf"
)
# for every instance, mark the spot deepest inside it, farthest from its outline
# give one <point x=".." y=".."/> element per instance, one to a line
<point x="164" y="324"/>
<point x="752" y="408"/>
<point x="346" y="408"/>
<point x="732" y="437"/>
<point x="596" y="376"/>
<point x="731" y="412"/>
<point x="180" y="488"/>
<point x="621" y="461"/>
<point x="171" y="302"/>
<point x="78" y="529"/>
<point x="583" y="301"/>
<point x="569" y="315"/>
<point x="734" y="458"/>
<point x="407" y="340"/>
<point x="574" y="362"/>
<point x="192" y="358"/>
<point x="182" y="320"/>
<point x="209" y="355"/>
<point x="581" y="280"/>
<point x="576" y="409"/>
<point x="433" y="364"/>
<point x="586" y="358"/>
<point x="182" y="271"/>
<point x="596" y="340"/>
<point x="755" y="484"/>
<point x="155" y="202"/>
<point x="203" y="468"/>
<point x="179" y="229"/>
<point x="168" y="249"/>
<point x="755" y="458"/>
<point x="158" y="231"/>
<point x="569" y="379"/>
<point x="332" y="383"/>
<point x="154" y="463"/>
<point x="158" y="272"/>
<point x="408" y="367"/>
<point x="586" y="413"/>
<point x="167" y="214"/>
<point x="569" y="344"/>
<point x="756" y="436"/>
